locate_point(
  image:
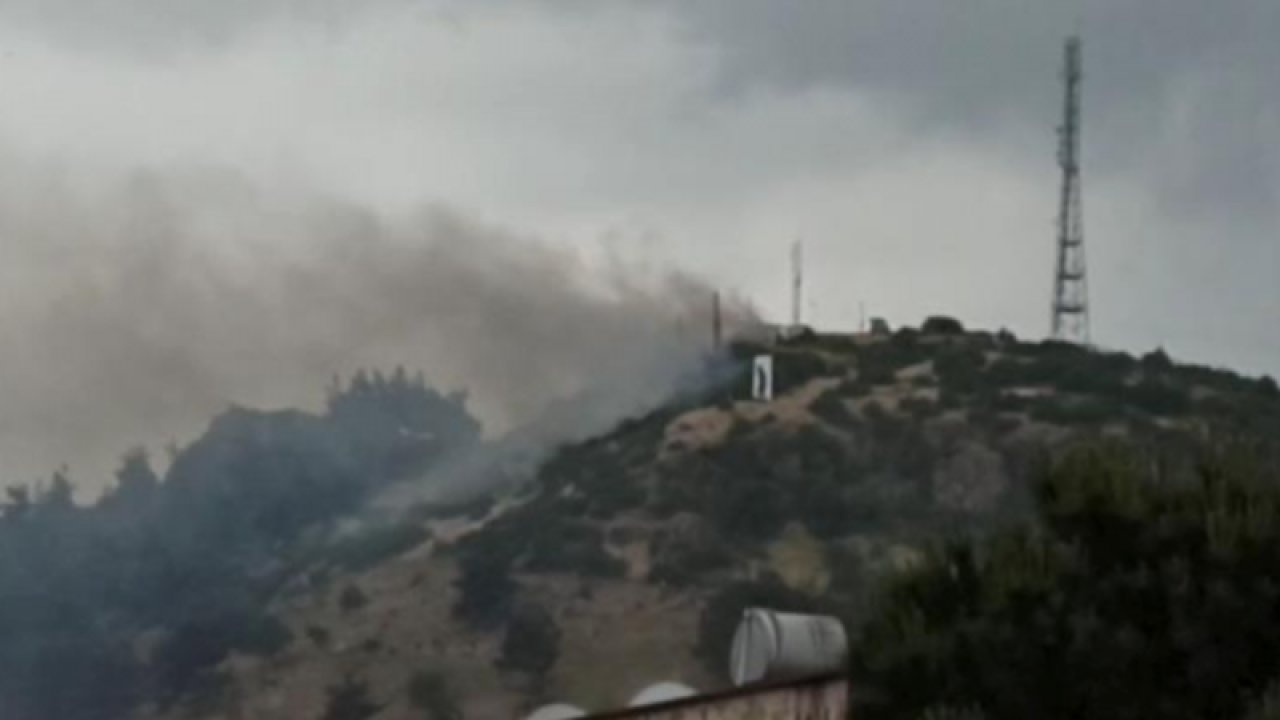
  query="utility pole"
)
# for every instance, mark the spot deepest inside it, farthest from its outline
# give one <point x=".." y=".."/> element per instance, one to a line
<point x="1070" y="308"/>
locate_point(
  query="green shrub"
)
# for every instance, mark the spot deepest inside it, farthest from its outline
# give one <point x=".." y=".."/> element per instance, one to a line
<point x="1075" y="411"/>
<point x="532" y="642"/>
<point x="1130" y="596"/>
<point x="352" y="598"/>
<point x="485" y="588"/>
<point x="429" y="691"/>
<point x="942" y="325"/>
<point x="831" y="407"/>
<point x="319" y="636"/>
<point x="1158" y="397"/>
<point x="349" y="700"/>
<point x="959" y="368"/>
<point x="791" y="370"/>
<point x="571" y="547"/>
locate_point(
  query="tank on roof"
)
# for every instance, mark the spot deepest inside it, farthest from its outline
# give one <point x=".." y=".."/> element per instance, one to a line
<point x="770" y="645"/>
<point x="660" y="693"/>
<point x="556" y="711"/>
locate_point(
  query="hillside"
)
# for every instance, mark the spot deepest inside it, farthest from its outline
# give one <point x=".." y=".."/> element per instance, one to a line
<point x="637" y="548"/>
<point x="248" y="582"/>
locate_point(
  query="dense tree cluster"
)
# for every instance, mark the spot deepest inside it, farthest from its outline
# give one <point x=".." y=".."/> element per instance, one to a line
<point x="187" y="561"/>
<point x="1137" y="594"/>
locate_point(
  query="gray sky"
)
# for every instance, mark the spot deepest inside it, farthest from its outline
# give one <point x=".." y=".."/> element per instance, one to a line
<point x="225" y="145"/>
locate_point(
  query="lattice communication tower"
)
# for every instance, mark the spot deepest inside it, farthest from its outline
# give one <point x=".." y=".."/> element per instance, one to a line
<point x="1070" y="286"/>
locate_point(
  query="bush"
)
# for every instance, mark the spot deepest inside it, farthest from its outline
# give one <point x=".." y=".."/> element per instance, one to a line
<point x="485" y="588"/>
<point x="1156" y="361"/>
<point x="186" y="661"/>
<point x="941" y="325"/>
<point x="1130" y="597"/>
<point x="349" y="700"/>
<point x="352" y="598"/>
<point x="831" y="407"/>
<point x="686" y="551"/>
<point x="1075" y="411"/>
<point x="1158" y="397"/>
<point x="532" y="643"/>
<point x="430" y="692"/>
<point x="319" y="636"/>
<point x="793" y="369"/>
<point x="572" y="547"/>
<point x="960" y="368"/>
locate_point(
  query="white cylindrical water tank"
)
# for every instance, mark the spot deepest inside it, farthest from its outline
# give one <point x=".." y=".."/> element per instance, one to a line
<point x="556" y="711"/>
<point x="660" y="693"/>
<point x="770" y="645"/>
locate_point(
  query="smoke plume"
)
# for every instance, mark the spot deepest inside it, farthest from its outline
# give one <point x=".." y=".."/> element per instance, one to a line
<point x="134" y="312"/>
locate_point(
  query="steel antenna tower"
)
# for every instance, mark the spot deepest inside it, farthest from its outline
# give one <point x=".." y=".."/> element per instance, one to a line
<point x="1070" y="287"/>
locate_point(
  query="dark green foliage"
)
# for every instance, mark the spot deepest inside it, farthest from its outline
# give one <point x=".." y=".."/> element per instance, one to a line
<point x="187" y="660"/>
<point x="485" y="587"/>
<point x="1266" y="705"/>
<point x="1075" y="411"/>
<point x="429" y="691"/>
<point x="959" y="368"/>
<point x="878" y="363"/>
<point x="1157" y="361"/>
<point x="318" y="636"/>
<point x="349" y="700"/>
<point x="941" y="325"/>
<point x="918" y="407"/>
<point x="831" y="407"/>
<point x="571" y="547"/>
<point x="532" y="642"/>
<point x="397" y="425"/>
<point x="1157" y="397"/>
<point x="352" y="598"/>
<point x="1136" y="596"/>
<point x="195" y="558"/>
<point x="552" y="534"/>
<point x="793" y="369"/>
<point x="749" y="487"/>
<point x="684" y="564"/>
<point x="948" y="712"/>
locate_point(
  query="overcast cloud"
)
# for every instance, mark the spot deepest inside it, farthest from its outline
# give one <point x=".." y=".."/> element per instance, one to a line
<point x="910" y="144"/>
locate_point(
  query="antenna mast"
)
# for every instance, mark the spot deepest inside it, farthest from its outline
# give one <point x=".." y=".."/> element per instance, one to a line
<point x="717" y="329"/>
<point x="1070" y="316"/>
<point x="797" y="283"/>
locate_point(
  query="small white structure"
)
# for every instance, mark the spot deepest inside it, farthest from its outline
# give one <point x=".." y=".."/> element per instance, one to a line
<point x="556" y="711"/>
<point x="762" y="378"/>
<point x="660" y="693"/>
<point x="770" y="645"/>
